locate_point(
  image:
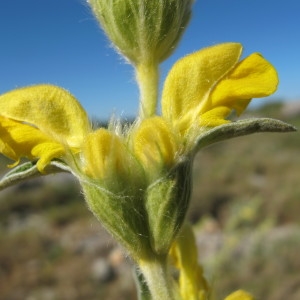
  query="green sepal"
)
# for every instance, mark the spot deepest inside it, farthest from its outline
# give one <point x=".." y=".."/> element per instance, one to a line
<point x="29" y="170"/>
<point x="167" y="201"/>
<point x="123" y="216"/>
<point x="240" y="128"/>
<point x="147" y="222"/>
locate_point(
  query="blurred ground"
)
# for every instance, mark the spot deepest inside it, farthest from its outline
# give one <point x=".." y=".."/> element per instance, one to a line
<point x="245" y="210"/>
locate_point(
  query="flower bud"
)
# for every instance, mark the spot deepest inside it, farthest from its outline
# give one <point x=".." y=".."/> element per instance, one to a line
<point x="143" y="31"/>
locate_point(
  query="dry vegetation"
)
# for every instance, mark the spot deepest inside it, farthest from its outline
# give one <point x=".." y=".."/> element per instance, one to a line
<point x="245" y="208"/>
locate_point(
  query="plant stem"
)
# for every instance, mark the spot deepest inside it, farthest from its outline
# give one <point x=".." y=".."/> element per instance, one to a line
<point x="158" y="279"/>
<point x="147" y="76"/>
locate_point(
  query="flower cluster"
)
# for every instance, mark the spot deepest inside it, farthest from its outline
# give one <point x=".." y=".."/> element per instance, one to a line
<point x="137" y="179"/>
<point x="44" y="122"/>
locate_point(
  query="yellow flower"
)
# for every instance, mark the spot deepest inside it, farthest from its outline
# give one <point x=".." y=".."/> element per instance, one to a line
<point x="102" y="151"/>
<point x="21" y="140"/>
<point x="204" y="87"/>
<point x="41" y="123"/>
<point x="184" y="255"/>
<point x="200" y="92"/>
<point x="106" y="157"/>
<point x="44" y="122"/>
<point x="155" y="145"/>
<point x="138" y="182"/>
<point x="192" y="283"/>
<point x="239" y="295"/>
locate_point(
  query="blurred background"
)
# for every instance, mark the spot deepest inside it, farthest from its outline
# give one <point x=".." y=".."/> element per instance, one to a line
<point x="245" y="203"/>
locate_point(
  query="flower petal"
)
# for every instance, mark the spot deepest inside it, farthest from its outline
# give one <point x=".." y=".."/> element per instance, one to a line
<point x="106" y="157"/>
<point x="214" y="117"/>
<point x="154" y="143"/>
<point x="184" y="255"/>
<point x="21" y="140"/>
<point x="239" y="295"/>
<point x="253" y="77"/>
<point x="51" y="109"/>
<point x="102" y="153"/>
<point x="193" y="77"/>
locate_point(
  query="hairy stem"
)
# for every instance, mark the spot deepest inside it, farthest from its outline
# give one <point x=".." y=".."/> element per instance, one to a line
<point x="159" y="279"/>
<point x="147" y="76"/>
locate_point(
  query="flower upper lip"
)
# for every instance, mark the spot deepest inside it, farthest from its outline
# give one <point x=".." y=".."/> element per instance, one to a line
<point x="213" y="80"/>
<point x="51" y="109"/>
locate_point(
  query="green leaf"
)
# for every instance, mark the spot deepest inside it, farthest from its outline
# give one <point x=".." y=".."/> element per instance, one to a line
<point x="29" y="170"/>
<point x="240" y="128"/>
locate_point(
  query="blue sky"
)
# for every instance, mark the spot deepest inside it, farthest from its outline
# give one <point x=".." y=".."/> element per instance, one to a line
<point x="59" y="42"/>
